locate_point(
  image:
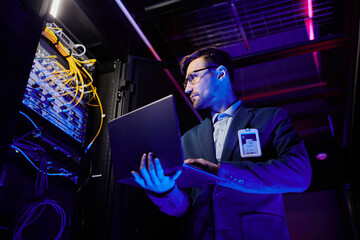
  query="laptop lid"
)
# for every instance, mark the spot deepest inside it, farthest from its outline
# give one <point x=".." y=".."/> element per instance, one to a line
<point x="152" y="128"/>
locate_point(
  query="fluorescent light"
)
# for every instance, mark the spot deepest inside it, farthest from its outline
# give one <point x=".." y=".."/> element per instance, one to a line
<point x="54" y="7"/>
<point x="310" y="28"/>
<point x="310" y="9"/>
<point x="137" y="29"/>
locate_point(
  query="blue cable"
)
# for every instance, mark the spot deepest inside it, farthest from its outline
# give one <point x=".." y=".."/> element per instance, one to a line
<point x="32" y="163"/>
<point x="29" y="119"/>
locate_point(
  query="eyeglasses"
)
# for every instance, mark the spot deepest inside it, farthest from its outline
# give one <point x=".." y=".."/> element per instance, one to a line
<point x="191" y="78"/>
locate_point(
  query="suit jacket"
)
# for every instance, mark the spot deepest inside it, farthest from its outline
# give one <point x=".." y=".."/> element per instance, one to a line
<point x="249" y="205"/>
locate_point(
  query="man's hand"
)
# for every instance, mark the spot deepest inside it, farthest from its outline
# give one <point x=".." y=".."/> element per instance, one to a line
<point x="203" y="164"/>
<point x="152" y="176"/>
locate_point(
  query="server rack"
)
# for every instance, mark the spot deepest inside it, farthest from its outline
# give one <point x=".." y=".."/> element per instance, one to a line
<point x="53" y="138"/>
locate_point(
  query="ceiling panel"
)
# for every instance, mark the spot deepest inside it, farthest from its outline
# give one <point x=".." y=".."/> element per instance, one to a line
<point x="230" y="22"/>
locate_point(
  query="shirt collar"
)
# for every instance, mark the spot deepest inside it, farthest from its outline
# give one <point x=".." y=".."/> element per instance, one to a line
<point x="230" y="111"/>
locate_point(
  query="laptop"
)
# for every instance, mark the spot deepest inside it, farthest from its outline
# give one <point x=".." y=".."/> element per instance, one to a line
<point x="152" y="128"/>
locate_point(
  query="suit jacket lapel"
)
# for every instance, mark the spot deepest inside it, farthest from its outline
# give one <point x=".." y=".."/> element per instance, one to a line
<point x="206" y="141"/>
<point x="240" y="121"/>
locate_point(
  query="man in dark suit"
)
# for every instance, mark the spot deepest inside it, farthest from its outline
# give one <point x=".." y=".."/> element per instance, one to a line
<point x="271" y="162"/>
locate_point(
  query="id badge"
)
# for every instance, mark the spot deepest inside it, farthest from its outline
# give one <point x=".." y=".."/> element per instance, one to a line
<point x="249" y="142"/>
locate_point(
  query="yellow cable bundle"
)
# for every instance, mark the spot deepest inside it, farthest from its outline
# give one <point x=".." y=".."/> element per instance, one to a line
<point x="76" y="71"/>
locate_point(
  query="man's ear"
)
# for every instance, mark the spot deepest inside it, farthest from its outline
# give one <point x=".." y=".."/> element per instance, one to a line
<point x="221" y="72"/>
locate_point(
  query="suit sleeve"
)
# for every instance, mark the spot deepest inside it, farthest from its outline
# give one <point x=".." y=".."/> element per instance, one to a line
<point x="174" y="203"/>
<point x="287" y="170"/>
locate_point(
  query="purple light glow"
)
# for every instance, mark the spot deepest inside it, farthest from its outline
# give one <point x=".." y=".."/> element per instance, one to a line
<point x="310" y="28"/>
<point x="321" y="156"/>
<point x="310" y="9"/>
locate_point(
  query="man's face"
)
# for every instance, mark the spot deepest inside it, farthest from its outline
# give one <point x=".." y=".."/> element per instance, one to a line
<point x="203" y="93"/>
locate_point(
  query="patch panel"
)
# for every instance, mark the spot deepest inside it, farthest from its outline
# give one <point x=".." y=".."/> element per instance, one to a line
<point x="51" y="94"/>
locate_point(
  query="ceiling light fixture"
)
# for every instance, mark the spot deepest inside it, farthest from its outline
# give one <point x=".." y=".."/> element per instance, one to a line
<point x="54" y="7"/>
<point x="239" y="25"/>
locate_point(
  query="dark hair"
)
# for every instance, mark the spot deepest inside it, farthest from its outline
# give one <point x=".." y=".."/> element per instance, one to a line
<point x="211" y="55"/>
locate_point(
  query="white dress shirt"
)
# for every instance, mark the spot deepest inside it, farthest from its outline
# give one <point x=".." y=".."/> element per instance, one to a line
<point x="221" y="124"/>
